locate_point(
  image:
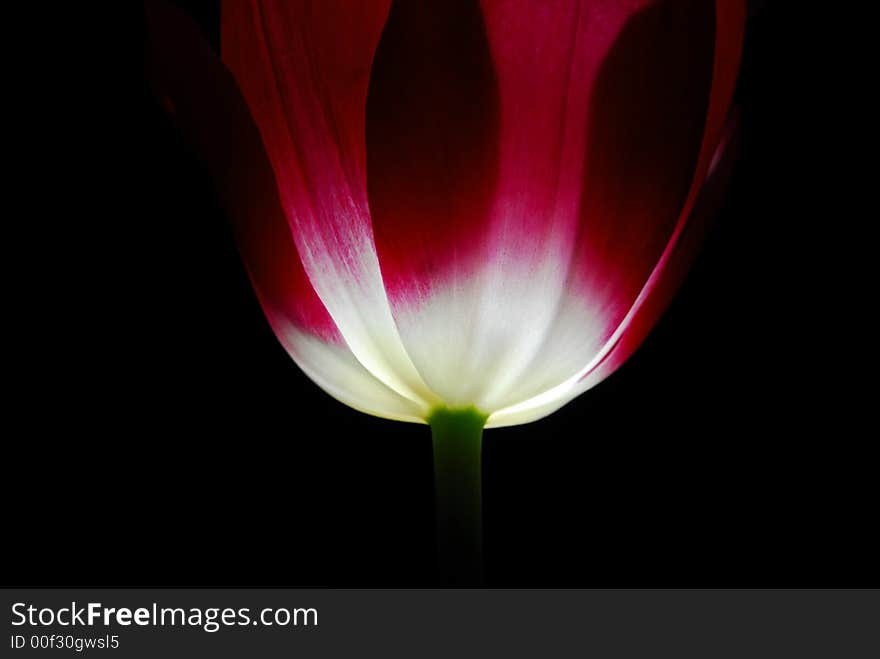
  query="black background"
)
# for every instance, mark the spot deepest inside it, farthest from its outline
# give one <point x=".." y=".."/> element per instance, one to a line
<point x="168" y="440"/>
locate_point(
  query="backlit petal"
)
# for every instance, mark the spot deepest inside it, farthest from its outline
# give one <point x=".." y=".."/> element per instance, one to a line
<point x="303" y="68"/>
<point x="649" y="312"/>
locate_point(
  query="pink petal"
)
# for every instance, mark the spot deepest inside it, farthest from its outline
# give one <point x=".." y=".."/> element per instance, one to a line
<point x="665" y="286"/>
<point x="303" y="69"/>
<point x="654" y="119"/>
<point x="667" y="272"/>
<point x="715" y="159"/>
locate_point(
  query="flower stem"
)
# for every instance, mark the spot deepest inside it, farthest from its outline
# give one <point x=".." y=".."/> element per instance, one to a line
<point x="457" y="437"/>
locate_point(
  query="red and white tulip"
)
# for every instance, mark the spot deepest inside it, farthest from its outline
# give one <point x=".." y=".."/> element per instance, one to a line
<point x="467" y="204"/>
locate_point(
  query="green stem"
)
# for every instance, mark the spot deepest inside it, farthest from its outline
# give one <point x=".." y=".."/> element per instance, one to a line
<point x="457" y="437"/>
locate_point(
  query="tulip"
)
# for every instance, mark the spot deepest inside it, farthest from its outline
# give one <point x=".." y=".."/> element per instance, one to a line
<point x="464" y="214"/>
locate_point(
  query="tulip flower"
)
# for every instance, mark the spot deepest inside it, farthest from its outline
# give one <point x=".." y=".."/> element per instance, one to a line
<point x="463" y="214"/>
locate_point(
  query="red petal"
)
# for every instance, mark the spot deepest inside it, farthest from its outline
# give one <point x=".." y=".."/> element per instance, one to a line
<point x="715" y="157"/>
<point x="666" y="284"/>
<point x="646" y="123"/>
<point x="630" y="322"/>
<point x="304" y="68"/>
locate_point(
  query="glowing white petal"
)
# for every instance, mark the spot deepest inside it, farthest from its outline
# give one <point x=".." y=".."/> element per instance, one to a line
<point x="335" y="369"/>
